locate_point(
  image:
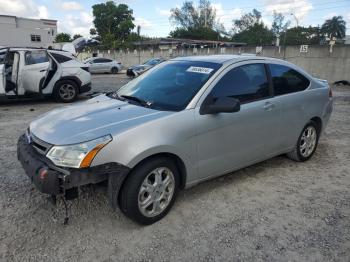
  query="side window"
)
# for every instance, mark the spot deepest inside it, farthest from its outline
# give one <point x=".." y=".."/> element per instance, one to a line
<point x="98" y="60"/>
<point x="104" y="60"/>
<point x="246" y="83"/>
<point x="36" y="57"/>
<point x="61" y="58"/>
<point x="286" y="80"/>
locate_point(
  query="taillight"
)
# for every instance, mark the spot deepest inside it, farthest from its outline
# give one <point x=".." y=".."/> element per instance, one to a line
<point x="330" y="94"/>
<point x="85" y="69"/>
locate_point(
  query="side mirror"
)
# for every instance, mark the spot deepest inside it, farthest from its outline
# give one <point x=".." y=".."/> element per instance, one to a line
<point x="220" y="105"/>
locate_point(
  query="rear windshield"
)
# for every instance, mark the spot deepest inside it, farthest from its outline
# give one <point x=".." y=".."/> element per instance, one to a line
<point x="171" y="85"/>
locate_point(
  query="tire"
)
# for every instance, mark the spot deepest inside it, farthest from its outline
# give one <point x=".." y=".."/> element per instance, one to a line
<point x="142" y="187"/>
<point x="305" y="147"/>
<point x="114" y="70"/>
<point x="66" y="91"/>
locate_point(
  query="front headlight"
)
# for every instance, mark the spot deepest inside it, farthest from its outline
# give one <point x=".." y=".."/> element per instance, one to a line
<point x="77" y="155"/>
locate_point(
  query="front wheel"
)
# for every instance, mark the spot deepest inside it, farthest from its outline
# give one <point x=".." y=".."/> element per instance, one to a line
<point x="307" y="143"/>
<point x="150" y="191"/>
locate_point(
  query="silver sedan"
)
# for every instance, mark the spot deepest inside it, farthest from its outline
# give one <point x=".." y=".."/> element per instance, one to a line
<point x="180" y="123"/>
<point x="103" y="65"/>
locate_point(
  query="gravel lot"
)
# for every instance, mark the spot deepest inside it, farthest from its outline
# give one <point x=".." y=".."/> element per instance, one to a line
<point x="278" y="210"/>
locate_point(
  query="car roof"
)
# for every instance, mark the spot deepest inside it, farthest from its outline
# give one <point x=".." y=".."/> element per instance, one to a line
<point x="220" y="59"/>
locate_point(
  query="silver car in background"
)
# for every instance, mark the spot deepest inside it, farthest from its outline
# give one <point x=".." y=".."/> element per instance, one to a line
<point x="103" y="65"/>
<point x="184" y="121"/>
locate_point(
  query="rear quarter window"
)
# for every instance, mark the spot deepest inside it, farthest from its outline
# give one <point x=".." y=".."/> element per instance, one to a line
<point x="61" y="58"/>
<point x="287" y="80"/>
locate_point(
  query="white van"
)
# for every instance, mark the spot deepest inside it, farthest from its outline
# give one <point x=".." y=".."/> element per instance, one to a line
<point x="33" y="72"/>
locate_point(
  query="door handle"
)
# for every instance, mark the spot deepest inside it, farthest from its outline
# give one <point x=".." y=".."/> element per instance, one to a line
<point x="268" y="106"/>
<point x="44" y="70"/>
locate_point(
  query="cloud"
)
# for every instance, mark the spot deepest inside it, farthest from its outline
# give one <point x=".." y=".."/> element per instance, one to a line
<point x="329" y="15"/>
<point x="76" y="24"/>
<point x="163" y="12"/>
<point x="43" y="12"/>
<point x="23" y="8"/>
<point x="71" y="6"/>
<point x="144" y="23"/>
<point x="300" y="8"/>
<point x="226" y="16"/>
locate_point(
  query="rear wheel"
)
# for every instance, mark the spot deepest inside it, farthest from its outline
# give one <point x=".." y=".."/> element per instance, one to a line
<point x="66" y="91"/>
<point x="307" y="143"/>
<point x="150" y="191"/>
<point x="114" y="70"/>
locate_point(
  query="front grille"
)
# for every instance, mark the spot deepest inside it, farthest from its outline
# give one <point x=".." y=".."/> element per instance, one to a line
<point x="40" y="146"/>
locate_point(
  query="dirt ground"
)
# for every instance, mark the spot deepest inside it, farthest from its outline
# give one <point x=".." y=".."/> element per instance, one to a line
<point x="278" y="210"/>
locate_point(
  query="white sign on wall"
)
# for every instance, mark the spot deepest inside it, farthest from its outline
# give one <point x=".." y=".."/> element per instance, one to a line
<point x="304" y="48"/>
<point x="258" y="50"/>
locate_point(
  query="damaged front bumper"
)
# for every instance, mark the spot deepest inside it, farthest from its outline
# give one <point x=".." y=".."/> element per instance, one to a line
<point x="53" y="180"/>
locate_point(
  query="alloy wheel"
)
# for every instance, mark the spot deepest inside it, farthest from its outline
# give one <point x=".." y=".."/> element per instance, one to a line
<point x="308" y="141"/>
<point x="156" y="192"/>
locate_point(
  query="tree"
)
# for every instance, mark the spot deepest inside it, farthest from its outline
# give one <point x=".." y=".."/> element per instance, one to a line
<point x="196" y="22"/>
<point x="62" y="37"/>
<point x="251" y="30"/>
<point x="76" y="36"/>
<point x="334" y="27"/>
<point x="246" y="21"/>
<point x="303" y="35"/>
<point x="188" y="16"/>
<point x="113" y="23"/>
<point x="279" y="24"/>
<point x="195" y="33"/>
<point x="256" y="34"/>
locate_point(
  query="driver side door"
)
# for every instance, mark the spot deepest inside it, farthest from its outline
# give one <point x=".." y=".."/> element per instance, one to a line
<point x="229" y="141"/>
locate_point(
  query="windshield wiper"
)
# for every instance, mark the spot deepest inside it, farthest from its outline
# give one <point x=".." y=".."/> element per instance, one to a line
<point x="138" y="100"/>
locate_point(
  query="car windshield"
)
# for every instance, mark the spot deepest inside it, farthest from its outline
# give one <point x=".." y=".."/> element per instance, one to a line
<point x="170" y="86"/>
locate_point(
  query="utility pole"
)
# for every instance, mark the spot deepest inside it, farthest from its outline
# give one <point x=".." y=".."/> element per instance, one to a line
<point x="138" y="33"/>
<point x="296" y="19"/>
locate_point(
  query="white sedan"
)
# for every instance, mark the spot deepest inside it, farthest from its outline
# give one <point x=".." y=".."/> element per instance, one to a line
<point x="103" y="65"/>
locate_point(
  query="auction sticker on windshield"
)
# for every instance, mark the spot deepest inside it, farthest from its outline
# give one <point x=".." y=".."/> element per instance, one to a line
<point x="201" y="70"/>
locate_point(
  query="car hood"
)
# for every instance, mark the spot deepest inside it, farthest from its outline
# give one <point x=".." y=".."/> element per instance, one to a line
<point x="88" y="120"/>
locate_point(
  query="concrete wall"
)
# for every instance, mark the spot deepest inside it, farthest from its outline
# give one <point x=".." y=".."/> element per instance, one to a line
<point x="318" y="60"/>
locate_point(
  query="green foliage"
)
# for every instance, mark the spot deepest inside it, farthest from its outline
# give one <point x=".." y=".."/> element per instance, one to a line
<point x="63" y="37"/>
<point x="196" y="22"/>
<point x="188" y="16"/>
<point x="256" y="34"/>
<point x="247" y="21"/>
<point x="302" y="36"/>
<point x="113" y="23"/>
<point x="76" y="36"/>
<point x="251" y="30"/>
<point x="279" y="24"/>
<point x="195" y="33"/>
<point x="334" y="27"/>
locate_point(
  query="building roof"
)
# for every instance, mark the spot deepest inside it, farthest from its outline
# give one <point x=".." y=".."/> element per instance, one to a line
<point x="12" y="16"/>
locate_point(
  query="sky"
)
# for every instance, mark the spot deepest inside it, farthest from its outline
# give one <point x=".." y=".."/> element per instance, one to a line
<point x="75" y="17"/>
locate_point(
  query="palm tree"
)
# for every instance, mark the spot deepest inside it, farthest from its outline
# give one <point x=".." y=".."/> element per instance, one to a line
<point x="334" y="27"/>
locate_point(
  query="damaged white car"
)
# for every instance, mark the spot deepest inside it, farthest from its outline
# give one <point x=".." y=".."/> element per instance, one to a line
<point x="38" y="72"/>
